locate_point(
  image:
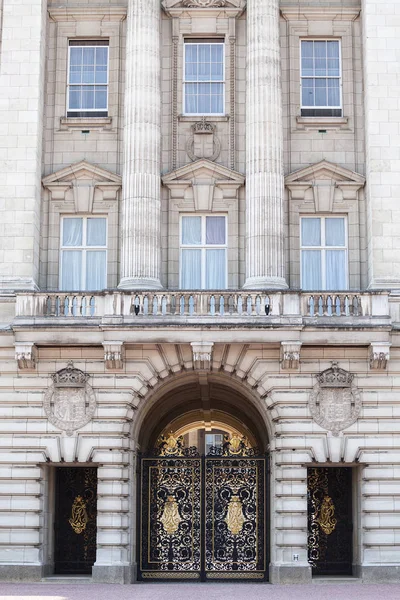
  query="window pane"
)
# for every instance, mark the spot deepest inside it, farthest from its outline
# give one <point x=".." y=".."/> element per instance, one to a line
<point x="336" y="270"/>
<point x="191" y="269"/>
<point x="215" y="269"/>
<point x="333" y="49"/>
<point x="101" y="97"/>
<point x="88" y="56"/>
<point x="75" y="97"/>
<point x="88" y="74"/>
<point x="88" y="97"/>
<point x="334" y="232"/>
<point x="75" y="56"/>
<point x="96" y="269"/>
<point x="72" y="232"/>
<point x="307" y="49"/>
<point x="190" y="98"/>
<point x="311" y="275"/>
<point x="215" y="230"/>
<point x="191" y="230"/>
<point x="96" y="232"/>
<point x="71" y="270"/>
<point x="101" y="55"/>
<point x="321" y="98"/>
<point x="311" y="232"/>
<point x="75" y="74"/>
<point x="333" y="92"/>
<point x="307" y="92"/>
<point x="307" y="67"/>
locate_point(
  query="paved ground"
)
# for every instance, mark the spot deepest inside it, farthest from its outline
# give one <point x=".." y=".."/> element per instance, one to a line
<point x="209" y="591"/>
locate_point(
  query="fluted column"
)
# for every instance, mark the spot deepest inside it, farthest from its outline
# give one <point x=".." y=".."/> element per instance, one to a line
<point x="141" y="211"/>
<point x="264" y="149"/>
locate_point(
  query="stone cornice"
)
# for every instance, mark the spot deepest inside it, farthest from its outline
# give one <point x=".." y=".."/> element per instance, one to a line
<point x="85" y="13"/>
<point x="322" y="13"/>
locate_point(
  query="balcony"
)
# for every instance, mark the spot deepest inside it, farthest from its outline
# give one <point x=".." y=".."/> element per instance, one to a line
<point x="204" y="307"/>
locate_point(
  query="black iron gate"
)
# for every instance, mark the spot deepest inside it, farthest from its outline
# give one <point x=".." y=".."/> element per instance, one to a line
<point x="330" y="529"/>
<point x="203" y="518"/>
<point x="75" y="520"/>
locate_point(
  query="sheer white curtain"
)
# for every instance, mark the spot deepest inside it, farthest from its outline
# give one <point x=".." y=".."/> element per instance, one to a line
<point x="191" y="269"/>
<point x="71" y="269"/>
<point x="72" y="232"/>
<point x="96" y="232"/>
<point x="311" y="232"/>
<point x="96" y="270"/>
<point x="311" y="272"/>
<point x="215" y="230"/>
<point x="191" y="230"/>
<point x="215" y="269"/>
<point x="336" y="270"/>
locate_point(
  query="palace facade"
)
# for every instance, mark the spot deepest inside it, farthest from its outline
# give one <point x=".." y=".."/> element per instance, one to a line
<point x="199" y="290"/>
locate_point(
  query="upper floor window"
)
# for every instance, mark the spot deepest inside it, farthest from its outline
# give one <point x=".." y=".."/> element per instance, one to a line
<point x="83" y="264"/>
<point x="88" y="79"/>
<point x="204" y="83"/>
<point x="323" y="253"/>
<point x="321" y="78"/>
<point x="203" y="252"/>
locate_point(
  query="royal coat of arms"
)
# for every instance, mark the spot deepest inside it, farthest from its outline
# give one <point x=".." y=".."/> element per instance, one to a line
<point x="70" y="401"/>
<point x="335" y="402"/>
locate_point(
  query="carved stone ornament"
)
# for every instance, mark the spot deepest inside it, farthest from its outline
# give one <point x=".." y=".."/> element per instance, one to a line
<point x="202" y="355"/>
<point x="203" y="143"/>
<point x="204" y="3"/>
<point x="335" y="402"/>
<point x="70" y="401"/>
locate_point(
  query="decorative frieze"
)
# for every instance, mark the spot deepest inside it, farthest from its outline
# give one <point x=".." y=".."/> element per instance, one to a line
<point x="202" y="355"/>
<point x="290" y="355"/>
<point x="113" y="355"/>
<point x="335" y="402"/>
<point x="25" y="355"/>
<point x="70" y="401"/>
<point x="379" y="355"/>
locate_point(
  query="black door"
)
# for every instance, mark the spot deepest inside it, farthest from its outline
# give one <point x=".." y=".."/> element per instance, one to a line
<point x="330" y="529"/>
<point x="203" y="518"/>
<point x="75" y="520"/>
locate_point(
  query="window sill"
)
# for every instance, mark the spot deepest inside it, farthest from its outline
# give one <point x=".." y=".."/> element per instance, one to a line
<point x="207" y="118"/>
<point x="85" y="123"/>
<point x="307" y="123"/>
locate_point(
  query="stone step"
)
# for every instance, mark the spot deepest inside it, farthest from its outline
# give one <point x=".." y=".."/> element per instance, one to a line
<point x="334" y="580"/>
<point x="66" y="579"/>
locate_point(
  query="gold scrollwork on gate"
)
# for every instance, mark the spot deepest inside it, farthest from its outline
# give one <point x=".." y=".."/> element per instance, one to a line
<point x="235" y="518"/>
<point x="170" y="517"/>
<point x="171" y="445"/>
<point x="326" y="519"/>
<point x="79" y="516"/>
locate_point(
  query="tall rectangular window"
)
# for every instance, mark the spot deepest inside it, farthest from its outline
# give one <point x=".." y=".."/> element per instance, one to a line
<point x="321" y="80"/>
<point x="83" y="262"/>
<point x="324" y="253"/>
<point x="87" y="94"/>
<point x="203" y="252"/>
<point x="204" y="79"/>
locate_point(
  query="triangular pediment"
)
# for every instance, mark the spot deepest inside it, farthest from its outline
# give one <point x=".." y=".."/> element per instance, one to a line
<point x="168" y="4"/>
<point x="82" y="170"/>
<point x="203" y="169"/>
<point x="324" y="170"/>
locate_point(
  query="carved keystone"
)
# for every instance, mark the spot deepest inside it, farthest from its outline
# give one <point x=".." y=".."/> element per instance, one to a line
<point x="379" y="354"/>
<point x="290" y="355"/>
<point x="202" y="354"/>
<point x="113" y="355"/>
<point x="25" y="355"/>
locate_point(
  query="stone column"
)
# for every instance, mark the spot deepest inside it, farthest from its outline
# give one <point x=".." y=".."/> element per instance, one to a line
<point x="264" y="149"/>
<point x="22" y="69"/>
<point x="141" y="210"/>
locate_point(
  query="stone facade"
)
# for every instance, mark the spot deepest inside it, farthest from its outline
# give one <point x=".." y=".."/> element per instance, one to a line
<point x="259" y="350"/>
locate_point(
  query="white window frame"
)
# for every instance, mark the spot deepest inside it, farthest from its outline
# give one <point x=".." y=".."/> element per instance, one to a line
<point x="84" y="248"/>
<point x="339" y="77"/>
<point x="323" y="248"/>
<point x="222" y="81"/>
<point x="218" y="441"/>
<point x="95" y="111"/>
<point x="203" y="247"/>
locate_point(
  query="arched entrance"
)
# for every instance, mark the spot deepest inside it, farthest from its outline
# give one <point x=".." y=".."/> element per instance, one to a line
<point x="203" y="485"/>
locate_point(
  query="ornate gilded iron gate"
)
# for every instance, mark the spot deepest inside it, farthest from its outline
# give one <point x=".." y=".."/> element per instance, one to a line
<point x="203" y="518"/>
<point x="75" y="520"/>
<point x="330" y="529"/>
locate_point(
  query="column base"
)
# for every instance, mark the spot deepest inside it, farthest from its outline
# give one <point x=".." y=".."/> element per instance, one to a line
<point x="265" y="283"/>
<point x="282" y="574"/>
<point x="114" y="574"/>
<point x="140" y="283"/>
<point x="18" y="283"/>
<point x="377" y="573"/>
<point x="15" y="573"/>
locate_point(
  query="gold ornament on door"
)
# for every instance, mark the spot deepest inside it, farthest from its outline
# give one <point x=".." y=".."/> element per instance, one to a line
<point x="79" y="516"/>
<point x="170" y="517"/>
<point x="235" y="518"/>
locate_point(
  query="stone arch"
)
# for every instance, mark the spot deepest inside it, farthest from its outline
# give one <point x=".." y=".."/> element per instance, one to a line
<point x="200" y="395"/>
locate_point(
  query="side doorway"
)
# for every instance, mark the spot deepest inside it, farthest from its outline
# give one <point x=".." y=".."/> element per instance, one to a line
<point x="330" y="526"/>
<point x="75" y="520"/>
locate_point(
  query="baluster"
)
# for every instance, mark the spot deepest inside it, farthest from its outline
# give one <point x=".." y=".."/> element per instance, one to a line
<point x="311" y="306"/>
<point x="212" y="305"/>
<point x="181" y="305"/>
<point x="231" y="304"/>
<point x="163" y="306"/>
<point x="136" y="306"/>
<point x="221" y="305"/>
<point x="146" y="305"/>
<point x="92" y="306"/>
<point x="320" y="306"/>
<point x="338" y="310"/>
<point x="53" y="306"/>
<point x="191" y="305"/>
<point x="168" y="307"/>
<point x="267" y="305"/>
<point x="258" y="305"/>
<point x="240" y="304"/>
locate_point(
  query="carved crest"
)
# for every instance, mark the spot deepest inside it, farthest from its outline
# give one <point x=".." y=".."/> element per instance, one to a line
<point x="70" y="401"/>
<point x="203" y="3"/>
<point x="335" y="402"/>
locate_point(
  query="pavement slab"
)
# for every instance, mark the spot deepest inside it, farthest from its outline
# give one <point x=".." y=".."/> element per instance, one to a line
<point x="198" y="591"/>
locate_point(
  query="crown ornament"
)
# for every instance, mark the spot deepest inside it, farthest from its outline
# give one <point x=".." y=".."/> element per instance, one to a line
<point x="335" y="377"/>
<point x="70" y="377"/>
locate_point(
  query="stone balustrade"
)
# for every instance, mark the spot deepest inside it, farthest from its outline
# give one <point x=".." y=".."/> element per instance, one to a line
<point x="201" y="304"/>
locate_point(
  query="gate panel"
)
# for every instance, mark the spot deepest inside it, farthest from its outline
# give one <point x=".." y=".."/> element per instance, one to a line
<point x="235" y="518"/>
<point x="330" y="529"/>
<point x="75" y="520"/>
<point x="171" y="518"/>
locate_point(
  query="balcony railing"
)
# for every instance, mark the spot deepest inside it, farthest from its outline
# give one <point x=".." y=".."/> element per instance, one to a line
<point x="214" y="305"/>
